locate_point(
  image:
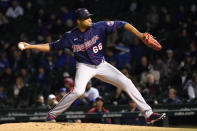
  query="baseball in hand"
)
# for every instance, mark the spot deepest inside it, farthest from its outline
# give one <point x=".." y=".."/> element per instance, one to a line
<point x="21" y="46"/>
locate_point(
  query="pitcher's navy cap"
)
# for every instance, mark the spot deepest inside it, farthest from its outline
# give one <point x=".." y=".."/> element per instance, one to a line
<point x="82" y="13"/>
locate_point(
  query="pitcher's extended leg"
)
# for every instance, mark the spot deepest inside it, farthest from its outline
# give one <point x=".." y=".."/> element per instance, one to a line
<point x="110" y="74"/>
<point x="83" y="74"/>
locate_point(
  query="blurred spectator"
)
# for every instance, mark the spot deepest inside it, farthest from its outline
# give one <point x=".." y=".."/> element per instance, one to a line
<point x="4" y="3"/>
<point x="20" y="93"/>
<point x="40" y="17"/>
<point x="49" y="40"/>
<point x="165" y="19"/>
<point x="137" y="50"/>
<point x="42" y="79"/>
<point x="3" y="19"/>
<point x="179" y="80"/>
<point x="65" y="59"/>
<point x="101" y="110"/>
<point x="188" y="62"/>
<point x="91" y="93"/>
<point x="40" y="104"/>
<point x="60" y="62"/>
<point x="153" y="16"/>
<point x="6" y="46"/>
<point x="191" y="87"/>
<point x="61" y="93"/>
<point x="57" y="27"/>
<point x="170" y="60"/>
<point x="123" y="55"/>
<point x="192" y="11"/>
<point x="126" y="72"/>
<point x="4" y="61"/>
<point x="69" y="25"/>
<point x="172" y="98"/>
<point x="110" y="56"/>
<point x="148" y="27"/>
<point x="2" y="93"/>
<point x="29" y="11"/>
<point x="48" y="63"/>
<point x="152" y="87"/>
<point x="151" y="70"/>
<point x="51" y="102"/>
<point x="8" y="78"/>
<point x="127" y="37"/>
<point x="112" y="38"/>
<point x="66" y="75"/>
<point x="142" y="67"/>
<point x="15" y="10"/>
<point x="27" y="61"/>
<point x="66" y="14"/>
<point x="145" y="93"/>
<point x="192" y="49"/>
<point x="182" y="41"/>
<point x="81" y="101"/>
<point x="3" y="96"/>
<point x="134" y="120"/>
<point x="24" y="37"/>
<point x="41" y="2"/>
<point x="168" y="23"/>
<point x="52" y="19"/>
<point x="160" y="66"/>
<point x="133" y="6"/>
<point x="16" y="59"/>
<point x="180" y="15"/>
<point x="26" y="76"/>
<point x="193" y="52"/>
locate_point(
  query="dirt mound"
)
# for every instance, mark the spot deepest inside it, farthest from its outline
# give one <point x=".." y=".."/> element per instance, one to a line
<point x="39" y="126"/>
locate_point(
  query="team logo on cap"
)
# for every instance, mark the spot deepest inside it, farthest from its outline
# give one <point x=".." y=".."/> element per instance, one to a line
<point x="110" y="23"/>
<point x="86" y="11"/>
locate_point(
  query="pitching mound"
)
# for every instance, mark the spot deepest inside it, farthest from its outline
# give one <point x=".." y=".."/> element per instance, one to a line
<point x="81" y="127"/>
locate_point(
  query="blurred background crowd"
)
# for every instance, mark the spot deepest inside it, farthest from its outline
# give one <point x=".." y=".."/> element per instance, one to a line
<point x="34" y="79"/>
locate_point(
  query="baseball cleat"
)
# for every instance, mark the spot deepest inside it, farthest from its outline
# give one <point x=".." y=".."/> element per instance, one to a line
<point x="155" y="117"/>
<point x="50" y="118"/>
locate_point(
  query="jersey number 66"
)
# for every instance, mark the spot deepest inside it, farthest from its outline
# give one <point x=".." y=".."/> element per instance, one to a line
<point x="97" y="48"/>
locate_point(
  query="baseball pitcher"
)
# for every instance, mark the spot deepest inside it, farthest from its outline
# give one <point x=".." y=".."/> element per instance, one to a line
<point x="86" y="41"/>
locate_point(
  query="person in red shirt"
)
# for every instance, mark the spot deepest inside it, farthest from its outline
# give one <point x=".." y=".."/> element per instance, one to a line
<point x="99" y="109"/>
<point x="140" y="121"/>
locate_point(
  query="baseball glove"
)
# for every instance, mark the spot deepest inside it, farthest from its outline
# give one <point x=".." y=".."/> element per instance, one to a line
<point x="151" y="42"/>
